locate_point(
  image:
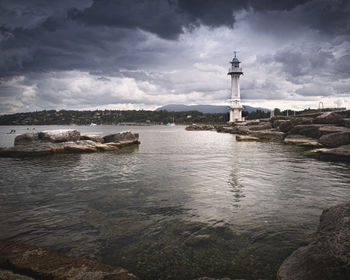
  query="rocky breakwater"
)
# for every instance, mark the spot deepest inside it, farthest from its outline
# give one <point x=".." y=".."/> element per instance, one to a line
<point x="326" y="135"/>
<point x="25" y="262"/>
<point x="327" y="256"/>
<point x="67" y="141"/>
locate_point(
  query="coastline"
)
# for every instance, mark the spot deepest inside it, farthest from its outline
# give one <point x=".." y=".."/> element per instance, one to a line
<point x="325" y="136"/>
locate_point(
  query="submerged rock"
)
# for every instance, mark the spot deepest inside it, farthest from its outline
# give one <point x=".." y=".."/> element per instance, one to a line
<point x="9" y="275"/>
<point x="328" y="255"/>
<point x="42" y="264"/>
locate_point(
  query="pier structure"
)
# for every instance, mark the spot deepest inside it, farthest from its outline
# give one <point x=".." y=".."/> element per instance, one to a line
<point x="235" y="102"/>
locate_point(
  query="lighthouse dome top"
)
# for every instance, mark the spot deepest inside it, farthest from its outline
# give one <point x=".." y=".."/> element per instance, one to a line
<point x="235" y="60"/>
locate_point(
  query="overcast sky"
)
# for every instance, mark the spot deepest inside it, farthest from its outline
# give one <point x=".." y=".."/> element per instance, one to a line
<point x="133" y="54"/>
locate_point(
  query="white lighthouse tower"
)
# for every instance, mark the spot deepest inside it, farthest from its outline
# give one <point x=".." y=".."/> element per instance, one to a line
<point x="235" y="103"/>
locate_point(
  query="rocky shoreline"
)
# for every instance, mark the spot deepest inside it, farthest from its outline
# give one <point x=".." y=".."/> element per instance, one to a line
<point x="65" y="141"/>
<point x="326" y="135"/>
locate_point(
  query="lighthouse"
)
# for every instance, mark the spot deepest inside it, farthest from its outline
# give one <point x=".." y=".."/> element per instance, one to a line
<point x="235" y="103"/>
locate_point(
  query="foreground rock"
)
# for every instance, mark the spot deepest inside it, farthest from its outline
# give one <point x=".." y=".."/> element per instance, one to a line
<point x="328" y="255"/>
<point x="67" y="141"/>
<point x="30" y="262"/>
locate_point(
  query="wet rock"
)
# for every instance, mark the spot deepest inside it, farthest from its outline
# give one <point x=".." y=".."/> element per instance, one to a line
<point x="261" y="126"/>
<point x="309" y="130"/>
<point x="328" y="255"/>
<point x="327" y="129"/>
<point x="59" y="135"/>
<point x="9" y="275"/>
<point x="277" y="122"/>
<point x="285" y="126"/>
<point x="246" y="138"/>
<point x="198" y="240"/>
<point x="301" y="120"/>
<point x="253" y="122"/>
<point x="328" y="118"/>
<point x="335" y="139"/>
<point x="95" y="138"/>
<point x="344" y="113"/>
<point x="269" y="135"/>
<point x="42" y="147"/>
<point x="209" y="278"/>
<point x="345" y="122"/>
<point x="27" y="138"/>
<point x="341" y="153"/>
<point x="243" y="130"/>
<point x="301" y="141"/>
<point x="43" y="264"/>
<point x="227" y="129"/>
<point x="121" y="136"/>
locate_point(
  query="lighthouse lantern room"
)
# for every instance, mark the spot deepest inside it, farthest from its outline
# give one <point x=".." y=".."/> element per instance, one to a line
<point x="235" y="105"/>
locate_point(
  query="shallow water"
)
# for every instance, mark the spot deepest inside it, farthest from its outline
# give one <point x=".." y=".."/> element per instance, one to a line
<point x="181" y="205"/>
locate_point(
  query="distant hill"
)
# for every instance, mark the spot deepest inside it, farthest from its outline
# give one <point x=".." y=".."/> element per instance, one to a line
<point x="211" y="109"/>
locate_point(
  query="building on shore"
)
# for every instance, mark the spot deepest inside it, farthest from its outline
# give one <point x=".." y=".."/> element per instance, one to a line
<point x="235" y="102"/>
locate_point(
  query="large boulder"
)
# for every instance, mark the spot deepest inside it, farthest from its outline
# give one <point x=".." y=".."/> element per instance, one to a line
<point x="121" y="136"/>
<point x="328" y="255"/>
<point x="95" y="138"/>
<point x="285" y="126"/>
<point x="345" y="122"/>
<point x="328" y="118"/>
<point x="328" y="129"/>
<point x="301" y="120"/>
<point x="308" y="130"/>
<point x="335" y="139"/>
<point x="27" y="138"/>
<point x="344" y="113"/>
<point x="59" y="135"/>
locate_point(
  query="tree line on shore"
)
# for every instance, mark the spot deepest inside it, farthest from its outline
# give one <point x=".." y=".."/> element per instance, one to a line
<point x="68" y="117"/>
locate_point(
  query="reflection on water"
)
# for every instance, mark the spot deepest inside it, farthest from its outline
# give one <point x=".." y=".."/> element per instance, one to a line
<point x="181" y="205"/>
<point x="237" y="188"/>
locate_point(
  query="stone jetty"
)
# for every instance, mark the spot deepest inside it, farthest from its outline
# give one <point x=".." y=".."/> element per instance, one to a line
<point x="67" y="141"/>
<point x="326" y="135"/>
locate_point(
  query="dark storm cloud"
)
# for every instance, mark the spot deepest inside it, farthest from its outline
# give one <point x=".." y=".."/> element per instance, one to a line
<point x="146" y="40"/>
<point x="67" y="35"/>
<point x="167" y="18"/>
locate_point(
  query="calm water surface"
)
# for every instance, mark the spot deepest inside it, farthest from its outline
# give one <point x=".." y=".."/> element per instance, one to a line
<point x="181" y="205"/>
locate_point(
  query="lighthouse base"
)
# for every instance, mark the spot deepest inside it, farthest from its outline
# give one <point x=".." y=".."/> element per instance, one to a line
<point x="235" y="115"/>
